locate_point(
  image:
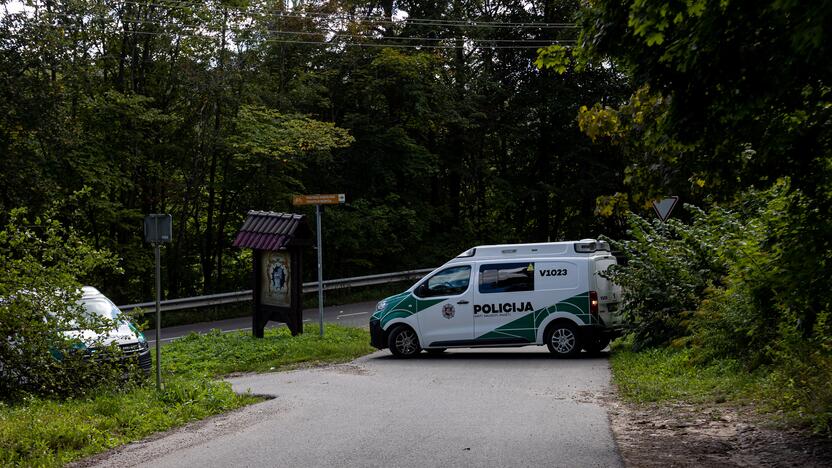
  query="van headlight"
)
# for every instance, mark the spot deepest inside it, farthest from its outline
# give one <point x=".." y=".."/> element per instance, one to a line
<point x="381" y="305"/>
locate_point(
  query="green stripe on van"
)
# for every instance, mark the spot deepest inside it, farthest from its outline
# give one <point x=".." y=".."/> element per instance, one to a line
<point x="526" y="326"/>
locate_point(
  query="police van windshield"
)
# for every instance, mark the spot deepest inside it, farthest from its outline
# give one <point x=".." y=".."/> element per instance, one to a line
<point x="448" y="282"/>
<point x="94" y="308"/>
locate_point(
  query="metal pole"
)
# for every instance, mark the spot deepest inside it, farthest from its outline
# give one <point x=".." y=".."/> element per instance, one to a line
<point x="158" y="317"/>
<point x="320" y="270"/>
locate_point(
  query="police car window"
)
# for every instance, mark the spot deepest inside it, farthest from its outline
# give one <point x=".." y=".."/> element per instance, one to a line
<point x="507" y="277"/>
<point x="100" y="308"/>
<point x="448" y="282"/>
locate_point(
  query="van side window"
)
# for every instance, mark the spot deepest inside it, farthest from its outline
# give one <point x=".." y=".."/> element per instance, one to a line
<point x="507" y="277"/>
<point x="448" y="282"/>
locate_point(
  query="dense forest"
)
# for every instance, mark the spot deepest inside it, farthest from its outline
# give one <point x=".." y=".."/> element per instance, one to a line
<point x="431" y="116"/>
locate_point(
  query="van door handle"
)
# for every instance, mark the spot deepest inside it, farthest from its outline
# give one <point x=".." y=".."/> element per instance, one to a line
<point x="462" y="302"/>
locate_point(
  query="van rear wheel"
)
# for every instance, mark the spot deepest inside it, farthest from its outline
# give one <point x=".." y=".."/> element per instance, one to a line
<point x="403" y="342"/>
<point x="595" y="344"/>
<point x="562" y="339"/>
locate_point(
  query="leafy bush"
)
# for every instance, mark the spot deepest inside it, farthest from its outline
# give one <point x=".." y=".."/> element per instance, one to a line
<point x="744" y="316"/>
<point x="668" y="270"/>
<point x="747" y="284"/>
<point x="40" y="354"/>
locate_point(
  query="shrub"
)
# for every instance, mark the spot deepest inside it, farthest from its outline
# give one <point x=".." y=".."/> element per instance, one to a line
<point x="669" y="268"/>
<point x="40" y="353"/>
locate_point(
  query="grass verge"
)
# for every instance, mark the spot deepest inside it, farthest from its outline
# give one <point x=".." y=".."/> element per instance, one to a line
<point x="40" y="432"/>
<point x="666" y="374"/>
<point x="794" y="390"/>
<point x="217" y="353"/>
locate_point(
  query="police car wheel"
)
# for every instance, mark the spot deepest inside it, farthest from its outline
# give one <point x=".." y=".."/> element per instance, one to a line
<point x="562" y="340"/>
<point x="403" y="342"/>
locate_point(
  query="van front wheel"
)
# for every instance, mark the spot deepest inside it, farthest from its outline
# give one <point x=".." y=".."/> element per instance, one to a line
<point x="404" y="343"/>
<point x="562" y="339"/>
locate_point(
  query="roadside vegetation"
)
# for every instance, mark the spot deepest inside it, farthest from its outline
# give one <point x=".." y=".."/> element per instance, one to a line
<point x="39" y="431"/>
<point x="716" y="316"/>
<point x="731" y="110"/>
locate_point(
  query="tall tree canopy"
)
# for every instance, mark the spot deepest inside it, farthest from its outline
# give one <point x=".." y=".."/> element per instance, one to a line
<point x="431" y="117"/>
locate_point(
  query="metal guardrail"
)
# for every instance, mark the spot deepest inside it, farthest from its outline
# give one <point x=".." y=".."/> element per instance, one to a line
<point x="243" y="296"/>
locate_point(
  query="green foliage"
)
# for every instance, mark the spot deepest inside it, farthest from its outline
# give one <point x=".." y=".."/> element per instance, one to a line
<point x="669" y="267"/>
<point x="554" y="57"/>
<point x="263" y="132"/>
<point x="43" y="263"/>
<point x="734" y="286"/>
<point x="798" y="384"/>
<point x="746" y="96"/>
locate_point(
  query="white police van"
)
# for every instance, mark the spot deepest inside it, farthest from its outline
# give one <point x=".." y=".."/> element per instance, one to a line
<point x="506" y="295"/>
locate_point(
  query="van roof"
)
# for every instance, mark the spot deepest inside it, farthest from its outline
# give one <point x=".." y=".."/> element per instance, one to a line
<point x="89" y="292"/>
<point x="581" y="248"/>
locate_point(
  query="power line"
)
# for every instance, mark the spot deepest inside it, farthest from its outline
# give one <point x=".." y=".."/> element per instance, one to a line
<point x="372" y="20"/>
<point x="360" y="36"/>
<point x="346" y="44"/>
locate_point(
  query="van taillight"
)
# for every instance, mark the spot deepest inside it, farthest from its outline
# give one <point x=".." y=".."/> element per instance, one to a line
<point x="593" y="303"/>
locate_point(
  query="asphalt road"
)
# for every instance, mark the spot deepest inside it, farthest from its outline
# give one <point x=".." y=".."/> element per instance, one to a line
<point x="353" y="315"/>
<point x="483" y="408"/>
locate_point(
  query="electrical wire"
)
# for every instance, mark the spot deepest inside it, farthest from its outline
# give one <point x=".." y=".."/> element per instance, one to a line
<point x="540" y="42"/>
<point x="346" y="44"/>
<point x="374" y="20"/>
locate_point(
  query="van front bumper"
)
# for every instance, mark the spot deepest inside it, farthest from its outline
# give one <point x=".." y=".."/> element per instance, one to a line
<point x="377" y="338"/>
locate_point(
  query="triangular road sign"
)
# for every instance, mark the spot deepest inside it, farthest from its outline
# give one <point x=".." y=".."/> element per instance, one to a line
<point x="664" y="207"/>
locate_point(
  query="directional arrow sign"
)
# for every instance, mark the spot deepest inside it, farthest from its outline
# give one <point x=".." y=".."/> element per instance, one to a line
<point x="664" y="207"/>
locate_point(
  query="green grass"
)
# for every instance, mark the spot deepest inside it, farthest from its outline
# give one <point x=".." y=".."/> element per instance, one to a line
<point x="217" y="353"/>
<point x="667" y="374"/>
<point x="40" y="432"/>
<point x="794" y="390"/>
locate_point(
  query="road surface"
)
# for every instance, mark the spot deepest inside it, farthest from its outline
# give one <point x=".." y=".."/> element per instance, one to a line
<point x="352" y="315"/>
<point x="479" y="408"/>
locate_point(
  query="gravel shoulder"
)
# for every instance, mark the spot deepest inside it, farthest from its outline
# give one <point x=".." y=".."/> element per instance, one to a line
<point x="685" y="435"/>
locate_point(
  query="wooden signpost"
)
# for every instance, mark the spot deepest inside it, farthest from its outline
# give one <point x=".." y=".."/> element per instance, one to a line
<point x="318" y="200"/>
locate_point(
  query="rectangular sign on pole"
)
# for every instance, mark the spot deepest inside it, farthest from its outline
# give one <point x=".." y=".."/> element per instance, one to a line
<point x="157" y="230"/>
<point x="319" y="199"/>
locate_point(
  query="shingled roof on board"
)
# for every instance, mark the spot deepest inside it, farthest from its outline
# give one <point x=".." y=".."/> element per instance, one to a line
<point x="267" y="230"/>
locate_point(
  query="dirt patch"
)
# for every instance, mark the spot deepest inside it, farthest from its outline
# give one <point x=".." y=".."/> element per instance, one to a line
<point x="685" y="435"/>
<point x="348" y="369"/>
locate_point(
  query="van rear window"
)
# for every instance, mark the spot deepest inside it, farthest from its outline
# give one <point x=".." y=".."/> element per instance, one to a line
<point x="506" y="277"/>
